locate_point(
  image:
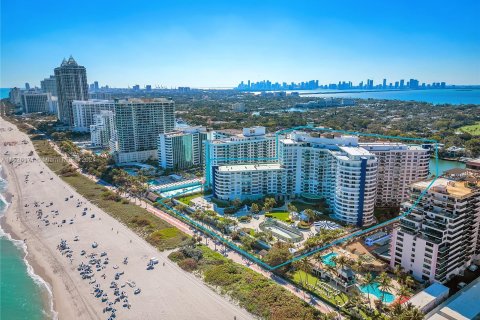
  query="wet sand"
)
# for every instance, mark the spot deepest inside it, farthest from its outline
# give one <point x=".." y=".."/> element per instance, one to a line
<point x="167" y="292"/>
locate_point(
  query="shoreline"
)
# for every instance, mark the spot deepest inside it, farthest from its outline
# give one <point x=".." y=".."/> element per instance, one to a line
<point x="35" y="272"/>
<point x="35" y="269"/>
<point x="167" y="292"/>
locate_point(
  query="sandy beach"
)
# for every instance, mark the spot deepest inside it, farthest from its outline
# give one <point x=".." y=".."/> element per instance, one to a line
<point x="44" y="210"/>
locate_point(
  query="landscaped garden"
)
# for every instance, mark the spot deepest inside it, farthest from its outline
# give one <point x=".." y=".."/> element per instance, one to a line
<point x="187" y="198"/>
<point x="254" y="292"/>
<point x="279" y="215"/>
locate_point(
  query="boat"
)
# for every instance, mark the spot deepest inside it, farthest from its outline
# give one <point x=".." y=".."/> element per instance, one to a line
<point x="94" y="245"/>
<point x="137" y="291"/>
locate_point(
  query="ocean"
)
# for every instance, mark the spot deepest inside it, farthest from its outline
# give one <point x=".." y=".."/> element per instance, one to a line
<point x="23" y="294"/>
<point x="4" y="92"/>
<point x="439" y="96"/>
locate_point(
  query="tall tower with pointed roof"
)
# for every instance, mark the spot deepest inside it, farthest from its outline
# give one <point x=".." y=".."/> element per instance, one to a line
<point x="71" y="85"/>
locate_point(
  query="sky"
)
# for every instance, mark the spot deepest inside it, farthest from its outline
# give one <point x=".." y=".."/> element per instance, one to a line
<point x="220" y="43"/>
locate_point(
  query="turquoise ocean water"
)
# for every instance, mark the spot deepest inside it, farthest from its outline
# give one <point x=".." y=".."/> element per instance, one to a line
<point x="23" y="295"/>
<point x="4" y="92"/>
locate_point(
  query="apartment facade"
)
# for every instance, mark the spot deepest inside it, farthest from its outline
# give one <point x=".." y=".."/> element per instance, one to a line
<point x="71" y="80"/>
<point x="84" y="112"/>
<point x="248" y="181"/>
<point x="439" y="237"/>
<point x="138" y="123"/>
<point x="33" y="101"/>
<point x="49" y="85"/>
<point x="182" y="148"/>
<point x="102" y="129"/>
<point x="399" y="165"/>
<point x="334" y="168"/>
<point x="253" y="145"/>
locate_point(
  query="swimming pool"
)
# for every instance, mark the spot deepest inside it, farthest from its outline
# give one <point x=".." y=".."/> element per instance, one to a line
<point x="327" y="259"/>
<point x="375" y="290"/>
<point x="153" y="182"/>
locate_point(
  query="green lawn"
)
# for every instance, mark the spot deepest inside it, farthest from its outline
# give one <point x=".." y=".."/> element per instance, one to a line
<point x="302" y="206"/>
<point x="280" y="215"/>
<point x="300" y="277"/>
<point x="155" y="230"/>
<point x="186" y="199"/>
<point x="473" y="129"/>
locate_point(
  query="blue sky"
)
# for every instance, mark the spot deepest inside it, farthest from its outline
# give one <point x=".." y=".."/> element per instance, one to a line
<point x="219" y="43"/>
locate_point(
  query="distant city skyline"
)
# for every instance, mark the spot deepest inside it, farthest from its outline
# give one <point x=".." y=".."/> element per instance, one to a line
<point x="217" y="44"/>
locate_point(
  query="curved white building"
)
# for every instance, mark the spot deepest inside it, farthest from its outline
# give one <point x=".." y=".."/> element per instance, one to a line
<point x="356" y="186"/>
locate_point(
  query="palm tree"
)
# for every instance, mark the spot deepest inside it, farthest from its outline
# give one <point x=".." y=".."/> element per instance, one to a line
<point x="341" y="262"/>
<point x="397" y="270"/>
<point x="368" y="280"/>
<point x="319" y="259"/>
<point x="255" y="209"/>
<point x="291" y="207"/>
<point x="307" y="268"/>
<point x="396" y="310"/>
<point x="404" y="291"/>
<point x="358" y="265"/>
<point x="409" y="282"/>
<point x="384" y="283"/>
<point x="412" y="313"/>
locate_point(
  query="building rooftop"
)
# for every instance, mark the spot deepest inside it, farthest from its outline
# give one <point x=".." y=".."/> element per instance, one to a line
<point x="428" y="295"/>
<point x="142" y="100"/>
<point x="92" y="101"/>
<point x="250" y="167"/>
<point x="453" y="188"/>
<point x="355" y="151"/>
<point x="461" y="306"/>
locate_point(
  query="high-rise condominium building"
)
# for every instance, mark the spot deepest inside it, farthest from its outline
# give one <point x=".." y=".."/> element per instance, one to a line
<point x="103" y="128"/>
<point x="253" y="145"/>
<point x="333" y="168"/>
<point x="71" y="85"/>
<point x="49" y="85"/>
<point x="182" y="148"/>
<point x="439" y="238"/>
<point x="138" y="123"/>
<point x="399" y="166"/>
<point x="15" y="96"/>
<point x="84" y="111"/>
<point x="33" y="101"/>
